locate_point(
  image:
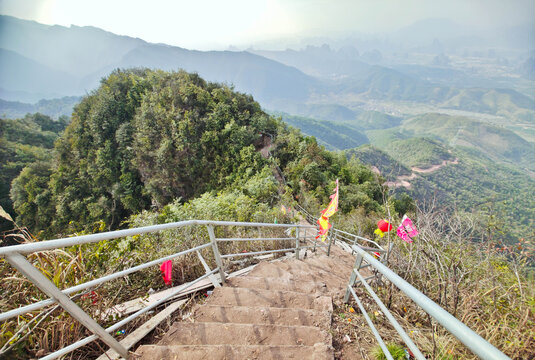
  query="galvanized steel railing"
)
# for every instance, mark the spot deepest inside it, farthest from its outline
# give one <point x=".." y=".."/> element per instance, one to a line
<point x="359" y="245"/>
<point x="15" y="256"/>
<point x="468" y="337"/>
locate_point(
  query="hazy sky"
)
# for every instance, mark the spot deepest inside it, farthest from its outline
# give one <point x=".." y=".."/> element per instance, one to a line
<point x="216" y="24"/>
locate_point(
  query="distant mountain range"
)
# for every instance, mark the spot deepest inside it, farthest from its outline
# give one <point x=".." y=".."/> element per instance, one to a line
<point x="54" y="108"/>
<point x="40" y="61"/>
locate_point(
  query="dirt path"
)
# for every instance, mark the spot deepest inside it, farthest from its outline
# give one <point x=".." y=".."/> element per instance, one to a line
<point x="435" y="167"/>
<point x="403" y="181"/>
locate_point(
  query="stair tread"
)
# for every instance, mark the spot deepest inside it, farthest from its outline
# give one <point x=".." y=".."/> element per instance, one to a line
<point x="298" y="273"/>
<point x="278" y="283"/>
<point x="272" y="298"/>
<point x="263" y="315"/>
<point x="317" y="265"/>
<point x="280" y="310"/>
<point x="206" y="333"/>
<point x="336" y="267"/>
<point x="230" y="352"/>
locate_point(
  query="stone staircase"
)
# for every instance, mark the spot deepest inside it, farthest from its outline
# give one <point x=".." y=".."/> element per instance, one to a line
<point x="279" y="310"/>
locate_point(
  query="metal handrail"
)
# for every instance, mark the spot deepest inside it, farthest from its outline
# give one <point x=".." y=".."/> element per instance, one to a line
<point x="337" y="234"/>
<point x="39" y="305"/>
<point x="14" y="255"/>
<point x="467" y="336"/>
<point x="356" y="237"/>
<point x="92" y="238"/>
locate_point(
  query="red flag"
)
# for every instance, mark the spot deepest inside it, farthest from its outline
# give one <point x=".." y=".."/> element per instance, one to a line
<point x="167" y="272"/>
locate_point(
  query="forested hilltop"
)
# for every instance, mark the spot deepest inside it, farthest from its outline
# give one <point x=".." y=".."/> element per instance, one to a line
<point x="147" y="138"/>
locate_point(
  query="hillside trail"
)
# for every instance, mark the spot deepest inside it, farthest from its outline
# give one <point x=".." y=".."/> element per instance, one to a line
<point x="281" y="309"/>
<point x="265" y="150"/>
<point x="434" y="168"/>
<point x="403" y="180"/>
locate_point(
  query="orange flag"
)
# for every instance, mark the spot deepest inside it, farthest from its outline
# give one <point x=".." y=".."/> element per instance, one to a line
<point x="323" y="221"/>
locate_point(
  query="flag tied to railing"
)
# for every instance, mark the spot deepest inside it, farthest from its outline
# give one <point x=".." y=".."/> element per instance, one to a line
<point x="407" y="230"/>
<point x="167" y="272"/>
<point x="323" y="221"/>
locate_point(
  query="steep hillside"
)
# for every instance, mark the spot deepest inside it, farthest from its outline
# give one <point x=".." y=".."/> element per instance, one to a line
<point x="334" y="136"/>
<point x="385" y="164"/>
<point x="418" y="152"/>
<point x="479" y="183"/>
<point x="497" y="142"/>
<point x="470" y="182"/>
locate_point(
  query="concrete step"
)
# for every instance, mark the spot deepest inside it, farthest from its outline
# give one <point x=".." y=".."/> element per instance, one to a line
<point x="278" y="283"/>
<point x="314" y="266"/>
<point x="263" y="315"/>
<point x="205" y="333"/>
<point x="230" y="296"/>
<point x="336" y="266"/>
<point x="270" y="269"/>
<point x="298" y="271"/>
<point x="231" y="352"/>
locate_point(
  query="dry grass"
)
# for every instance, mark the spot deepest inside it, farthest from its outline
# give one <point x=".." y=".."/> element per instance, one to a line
<point x="41" y="332"/>
<point x="484" y="287"/>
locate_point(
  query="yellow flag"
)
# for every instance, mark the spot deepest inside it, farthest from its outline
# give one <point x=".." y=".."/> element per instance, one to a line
<point x="323" y="221"/>
<point x="333" y="205"/>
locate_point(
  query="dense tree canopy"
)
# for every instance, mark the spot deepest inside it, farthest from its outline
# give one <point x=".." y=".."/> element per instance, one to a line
<point x="22" y="143"/>
<point x="147" y="138"/>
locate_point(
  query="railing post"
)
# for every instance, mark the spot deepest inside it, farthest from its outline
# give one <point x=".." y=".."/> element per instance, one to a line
<point x="353" y="277"/>
<point x="315" y="242"/>
<point x="207" y="270"/>
<point x="387" y="257"/>
<point x="217" y="255"/>
<point x="384" y="261"/>
<point x="331" y="240"/>
<point x="297" y="243"/>
<point x="42" y="282"/>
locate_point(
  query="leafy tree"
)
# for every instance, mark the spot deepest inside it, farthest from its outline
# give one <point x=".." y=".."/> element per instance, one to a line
<point x="147" y="138"/>
<point x="31" y="198"/>
<point x="24" y="142"/>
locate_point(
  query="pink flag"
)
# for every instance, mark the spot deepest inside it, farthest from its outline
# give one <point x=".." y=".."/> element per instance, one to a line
<point x="411" y="229"/>
<point x="167" y="272"/>
<point x="403" y="234"/>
